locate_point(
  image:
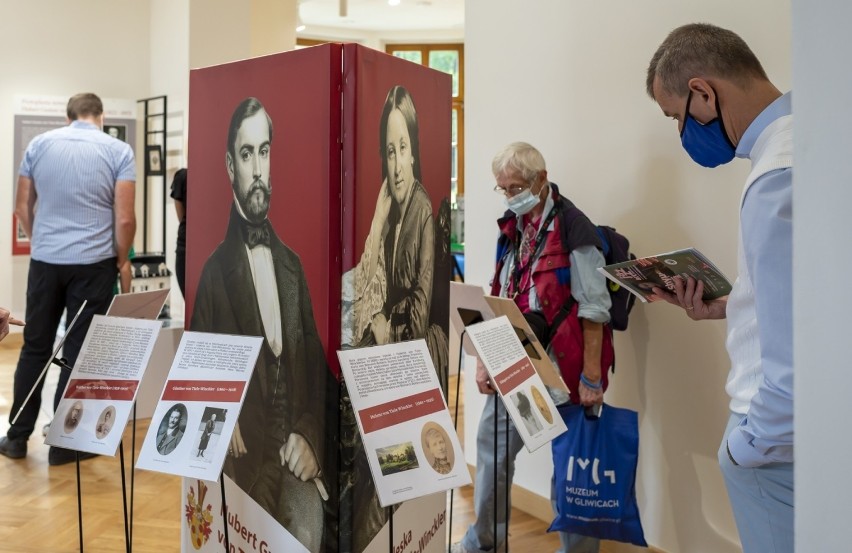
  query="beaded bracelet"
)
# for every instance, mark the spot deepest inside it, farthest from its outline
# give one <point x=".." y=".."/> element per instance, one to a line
<point x="589" y="384"/>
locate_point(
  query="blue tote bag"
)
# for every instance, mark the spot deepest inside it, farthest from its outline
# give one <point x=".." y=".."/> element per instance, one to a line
<point x="595" y="475"/>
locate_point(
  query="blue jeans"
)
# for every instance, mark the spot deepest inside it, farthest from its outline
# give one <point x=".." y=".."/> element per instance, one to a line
<point x="762" y="501"/>
<point x="480" y="534"/>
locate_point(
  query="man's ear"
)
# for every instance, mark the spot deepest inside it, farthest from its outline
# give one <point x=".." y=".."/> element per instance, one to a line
<point x="703" y="102"/>
<point x="229" y="164"/>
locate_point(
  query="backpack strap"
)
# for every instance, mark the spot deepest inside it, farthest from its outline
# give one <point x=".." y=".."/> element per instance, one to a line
<point x="568" y="214"/>
<point x="563" y="314"/>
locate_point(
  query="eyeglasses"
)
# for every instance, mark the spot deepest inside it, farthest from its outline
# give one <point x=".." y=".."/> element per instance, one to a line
<point x="513" y="190"/>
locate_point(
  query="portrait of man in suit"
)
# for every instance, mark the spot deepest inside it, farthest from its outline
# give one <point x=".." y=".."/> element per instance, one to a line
<point x="254" y="285"/>
<point x="170" y="432"/>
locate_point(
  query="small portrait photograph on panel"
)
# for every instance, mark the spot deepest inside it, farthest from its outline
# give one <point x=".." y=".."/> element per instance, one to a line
<point x="105" y="422"/>
<point x="524" y="406"/>
<point x="437" y="447"/>
<point x="171" y="429"/>
<point x="73" y="416"/>
<point x="208" y="432"/>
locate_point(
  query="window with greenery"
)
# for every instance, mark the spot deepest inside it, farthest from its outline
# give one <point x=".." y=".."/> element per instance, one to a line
<point x="448" y="58"/>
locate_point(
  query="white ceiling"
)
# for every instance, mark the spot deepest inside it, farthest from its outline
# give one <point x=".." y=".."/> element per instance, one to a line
<point x="378" y="15"/>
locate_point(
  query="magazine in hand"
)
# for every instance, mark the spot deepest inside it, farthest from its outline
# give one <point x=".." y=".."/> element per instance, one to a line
<point x="640" y="276"/>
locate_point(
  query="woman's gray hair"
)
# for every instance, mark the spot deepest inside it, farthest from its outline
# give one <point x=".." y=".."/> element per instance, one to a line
<point x="521" y="157"/>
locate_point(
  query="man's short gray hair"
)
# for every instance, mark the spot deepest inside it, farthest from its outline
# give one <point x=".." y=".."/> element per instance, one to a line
<point x="701" y="50"/>
<point x="521" y="157"/>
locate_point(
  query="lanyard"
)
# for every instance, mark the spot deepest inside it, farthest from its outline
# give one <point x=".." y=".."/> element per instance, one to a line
<point x="517" y="270"/>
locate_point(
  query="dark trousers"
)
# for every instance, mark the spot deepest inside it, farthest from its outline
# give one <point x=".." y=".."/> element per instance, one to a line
<point x="180" y="257"/>
<point x="52" y="289"/>
<point x="180" y="269"/>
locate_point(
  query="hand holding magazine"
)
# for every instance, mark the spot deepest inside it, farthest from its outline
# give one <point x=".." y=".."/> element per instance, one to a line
<point x="640" y="276"/>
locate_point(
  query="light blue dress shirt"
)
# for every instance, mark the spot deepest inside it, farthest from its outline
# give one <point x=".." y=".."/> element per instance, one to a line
<point x="766" y="433"/>
<point x="74" y="170"/>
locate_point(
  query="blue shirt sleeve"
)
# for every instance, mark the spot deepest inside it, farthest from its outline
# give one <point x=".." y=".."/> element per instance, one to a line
<point x="765" y="435"/>
<point x="26" y="168"/>
<point x="588" y="286"/>
<point x="126" y="164"/>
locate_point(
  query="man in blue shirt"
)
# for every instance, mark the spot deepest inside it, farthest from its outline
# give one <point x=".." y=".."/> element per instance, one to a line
<point x="709" y="81"/>
<point x="75" y="200"/>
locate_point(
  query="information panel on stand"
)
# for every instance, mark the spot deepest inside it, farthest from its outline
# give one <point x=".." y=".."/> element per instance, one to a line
<point x="516" y="380"/>
<point x="102" y="387"/>
<point x="408" y="434"/>
<point x="192" y="425"/>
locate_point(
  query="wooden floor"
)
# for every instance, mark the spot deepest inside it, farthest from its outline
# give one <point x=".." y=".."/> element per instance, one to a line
<point x="38" y="503"/>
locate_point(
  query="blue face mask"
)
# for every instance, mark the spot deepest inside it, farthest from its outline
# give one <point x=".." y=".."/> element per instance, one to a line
<point x="708" y="145"/>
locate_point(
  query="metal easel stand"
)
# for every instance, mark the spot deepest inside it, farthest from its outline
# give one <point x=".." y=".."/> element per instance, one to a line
<point x="225" y="511"/>
<point x="455" y="427"/>
<point x="496" y="470"/>
<point x="390" y="529"/>
<point x="128" y="544"/>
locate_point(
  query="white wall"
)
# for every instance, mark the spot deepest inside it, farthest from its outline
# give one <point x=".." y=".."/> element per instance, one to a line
<point x="60" y="48"/>
<point x="169" y="47"/>
<point x="821" y="303"/>
<point x="568" y="77"/>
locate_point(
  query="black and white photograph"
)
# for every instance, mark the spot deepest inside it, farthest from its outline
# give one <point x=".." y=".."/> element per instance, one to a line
<point x="119" y="132"/>
<point x="154" y="160"/>
<point x="105" y="422"/>
<point x="73" y="417"/>
<point x="524" y="406"/>
<point x="388" y="295"/>
<point x="171" y="429"/>
<point x="208" y="432"/>
<point x="265" y="294"/>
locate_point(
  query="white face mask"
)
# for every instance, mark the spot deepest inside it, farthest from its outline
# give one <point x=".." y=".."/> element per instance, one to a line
<point x="522" y="203"/>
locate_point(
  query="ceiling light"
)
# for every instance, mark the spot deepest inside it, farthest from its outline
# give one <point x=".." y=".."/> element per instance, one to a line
<point x="393" y="2"/>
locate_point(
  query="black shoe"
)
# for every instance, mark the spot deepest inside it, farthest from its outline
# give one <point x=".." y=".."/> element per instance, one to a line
<point x="13" y="449"/>
<point x="61" y="456"/>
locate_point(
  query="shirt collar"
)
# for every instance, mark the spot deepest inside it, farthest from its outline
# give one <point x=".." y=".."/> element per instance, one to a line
<point x="77" y="124"/>
<point x="780" y="107"/>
